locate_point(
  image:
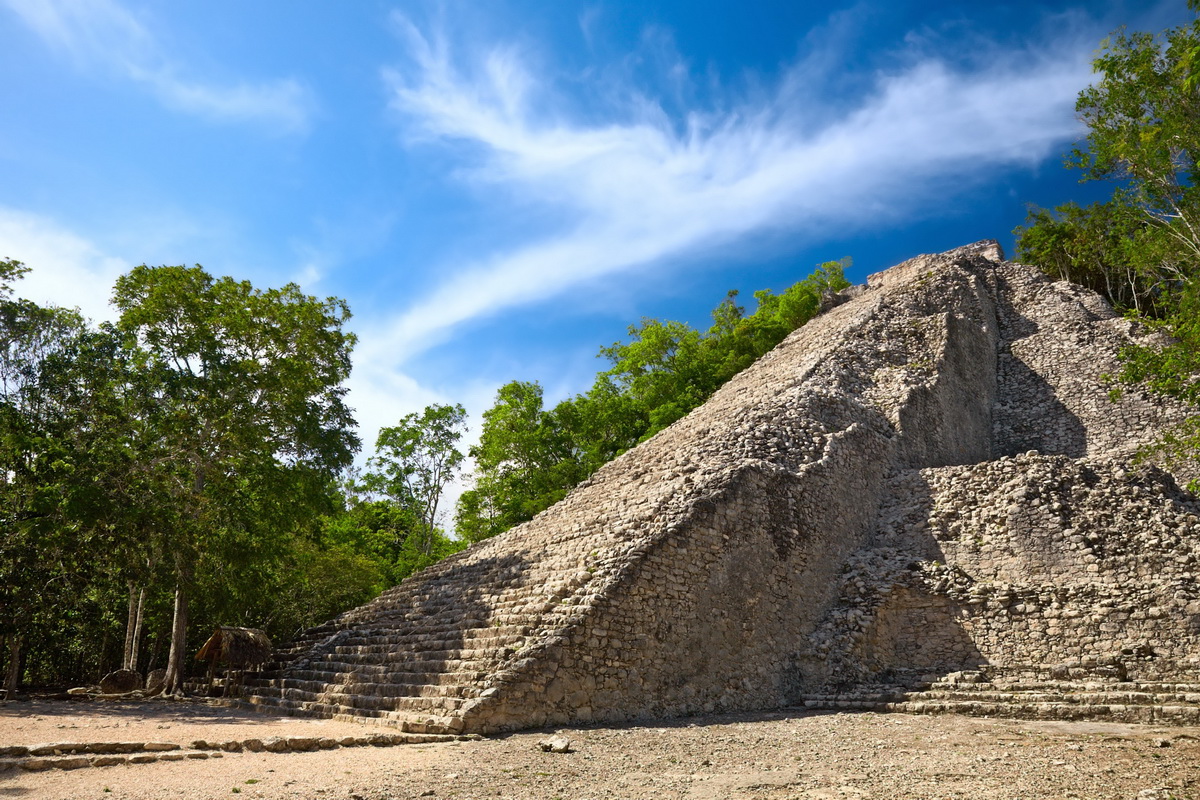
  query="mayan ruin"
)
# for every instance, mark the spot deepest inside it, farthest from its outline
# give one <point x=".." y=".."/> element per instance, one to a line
<point x="923" y="500"/>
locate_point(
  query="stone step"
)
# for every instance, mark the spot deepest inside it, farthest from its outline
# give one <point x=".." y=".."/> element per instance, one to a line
<point x="1138" y="686"/>
<point x="1070" y="697"/>
<point x="323" y="669"/>
<point x="1128" y="701"/>
<point x="409" y="608"/>
<point x="1074" y="697"/>
<point x="1151" y="687"/>
<point x="398" y="646"/>
<point x="417" y="640"/>
<point x="443" y="706"/>
<point x="459" y="679"/>
<point x="407" y="720"/>
<point x="365" y="697"/>
<point x="1157" y="714"/>
<point x="513" y="606"/>
<point x="349" y="663"/>
<point x="412" y="688"/>
<point x="423" y="625"/>
<point x="407" y="632"/>
<point x="422" y="621"/>
<point x="1033" y="675"/>
<point x="382" y="692"/>
<point x="392" y="650"/>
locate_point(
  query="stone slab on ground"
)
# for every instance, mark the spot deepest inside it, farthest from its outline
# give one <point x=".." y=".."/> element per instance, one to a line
<point x="38" y="722"/>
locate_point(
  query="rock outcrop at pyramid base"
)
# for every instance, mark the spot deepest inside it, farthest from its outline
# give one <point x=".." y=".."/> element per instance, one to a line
<point x="928" y="480"/>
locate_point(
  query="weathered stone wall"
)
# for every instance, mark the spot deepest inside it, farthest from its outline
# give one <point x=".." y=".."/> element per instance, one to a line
<point x="925" y="477"/>
<point x="1045" y="560"/>
<point x="1056" y="554"/>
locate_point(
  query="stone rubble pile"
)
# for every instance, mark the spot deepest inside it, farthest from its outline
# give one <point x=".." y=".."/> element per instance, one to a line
<point x="928" y="478"/>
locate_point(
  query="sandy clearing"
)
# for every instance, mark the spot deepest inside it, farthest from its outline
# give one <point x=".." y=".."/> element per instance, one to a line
<point x="773" y="756"/>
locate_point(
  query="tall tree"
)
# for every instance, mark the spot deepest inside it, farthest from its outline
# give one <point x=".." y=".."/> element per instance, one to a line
<point x="1143" y="125"/>
<point x="1142" y="248"/>
<point x="524" y="462"/>
<point x="245" y="396"/>
<point x="669" y="368"/>
<point x="1108" y="247"/>
<point x="415" y="460"/>
<point x="34" y="553"/>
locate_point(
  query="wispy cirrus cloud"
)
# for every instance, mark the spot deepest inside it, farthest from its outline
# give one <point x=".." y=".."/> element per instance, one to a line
<point x="101" y="33"/>
<point x="652" y="186"/>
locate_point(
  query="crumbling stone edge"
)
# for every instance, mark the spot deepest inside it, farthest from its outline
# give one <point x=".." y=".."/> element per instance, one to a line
<point x="75" y="755"/>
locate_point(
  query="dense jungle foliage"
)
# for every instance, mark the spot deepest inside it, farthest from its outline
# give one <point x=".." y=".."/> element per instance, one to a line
<point x="186" y="467"/>
<point x="1141" y="248"/>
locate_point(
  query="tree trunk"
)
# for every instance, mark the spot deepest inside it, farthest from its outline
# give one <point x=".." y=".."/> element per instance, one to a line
<point x="103" y="665"/>
<point x="130" y="618"/>
<point x="173" y="683"/>
<point x="154" y="651"/>
<point x="13" y="675"/>
<point x="135" y="646"/>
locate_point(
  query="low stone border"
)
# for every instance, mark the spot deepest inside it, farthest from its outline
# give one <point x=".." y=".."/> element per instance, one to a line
<point x="75" y="755"/>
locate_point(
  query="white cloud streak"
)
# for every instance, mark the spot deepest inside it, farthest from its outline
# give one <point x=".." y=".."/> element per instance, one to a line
<point x="646" y="190"/>
<point x="101" y="33"/>
<point x="65" y="269"/>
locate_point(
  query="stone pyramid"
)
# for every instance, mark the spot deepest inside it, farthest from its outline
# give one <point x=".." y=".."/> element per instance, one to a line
<point x="922" y="499"/>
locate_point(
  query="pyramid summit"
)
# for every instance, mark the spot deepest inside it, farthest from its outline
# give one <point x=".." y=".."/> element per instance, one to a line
<point x="923" y="499"/>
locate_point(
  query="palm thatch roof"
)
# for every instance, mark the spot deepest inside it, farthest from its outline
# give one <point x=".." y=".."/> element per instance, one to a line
<point x="237" y="647"/>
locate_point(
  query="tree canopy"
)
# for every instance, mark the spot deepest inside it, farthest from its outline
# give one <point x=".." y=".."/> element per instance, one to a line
<point x="188" y="452"/>
<point x="1141" y="249"/>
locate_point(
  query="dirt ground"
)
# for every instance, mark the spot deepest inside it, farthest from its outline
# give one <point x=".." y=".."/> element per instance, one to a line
<point x="770" y="756"/>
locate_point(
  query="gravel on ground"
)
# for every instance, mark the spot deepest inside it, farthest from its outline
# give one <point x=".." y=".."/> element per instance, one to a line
<point x="783" y="755"/>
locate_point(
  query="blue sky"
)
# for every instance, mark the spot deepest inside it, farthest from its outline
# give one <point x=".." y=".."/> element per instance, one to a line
<point x="500" y="187"/>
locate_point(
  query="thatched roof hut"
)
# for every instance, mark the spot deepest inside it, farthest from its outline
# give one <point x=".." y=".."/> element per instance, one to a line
<point x="236" y="647"/>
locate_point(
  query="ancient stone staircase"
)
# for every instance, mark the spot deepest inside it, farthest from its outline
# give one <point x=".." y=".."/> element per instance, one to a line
<point x="423" y="653"/>
<point x="1028" y="693"/>
<point x="416" y="680"/>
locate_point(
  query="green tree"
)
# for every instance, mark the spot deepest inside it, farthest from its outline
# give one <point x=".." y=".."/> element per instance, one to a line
<point x="1111" y="248"/>
<point x="518" y="460"/>
<point x="37" y="559"/>
<point x="1174" y="370"/>
<point x="598" y="426"/>
<point x="665" y="368"/>
<point x="109" y="492"/>
<point x="1144" y="129"/>
<point x="669" y="368"/>
<point x="10" y="270"/>
<point x="738" y="341"/>
<point x="413" y="464"/>
<point x="379" y="528"/>
<point x="1141" y="249"/>
<point x="244" y="393"/>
